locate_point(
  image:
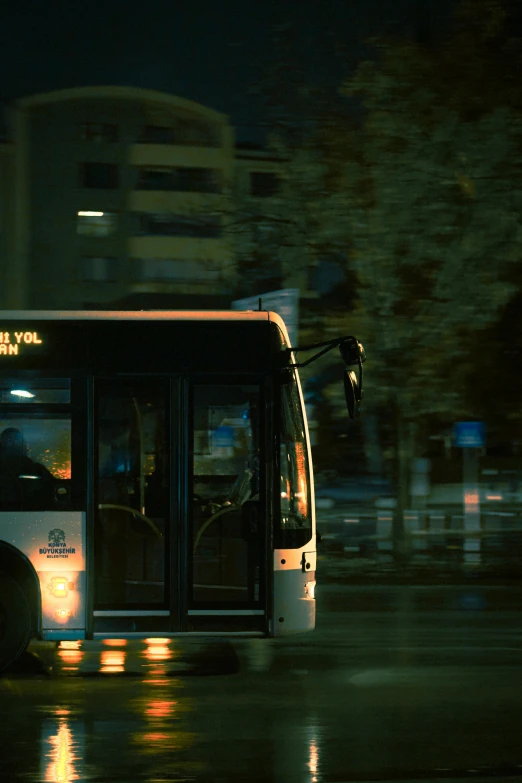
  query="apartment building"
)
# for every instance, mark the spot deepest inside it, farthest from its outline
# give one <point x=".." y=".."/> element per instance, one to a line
<point x="118" y="196"/>
<point x="109" y="192"/>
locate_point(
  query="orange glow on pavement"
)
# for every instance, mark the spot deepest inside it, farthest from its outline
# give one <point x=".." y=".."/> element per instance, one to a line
<point x="160" y="709"/>
<point x="70" y="654"/>
<point x="112" y="661"/>
<point x="158" y="650"/>
<point x="61" y="768"/>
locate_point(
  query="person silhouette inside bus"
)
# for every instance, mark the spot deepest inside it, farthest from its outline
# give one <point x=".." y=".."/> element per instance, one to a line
<point x="14" y="459"/>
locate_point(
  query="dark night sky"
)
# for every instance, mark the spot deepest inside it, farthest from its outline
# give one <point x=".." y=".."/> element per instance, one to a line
<point x="209" y="51"/>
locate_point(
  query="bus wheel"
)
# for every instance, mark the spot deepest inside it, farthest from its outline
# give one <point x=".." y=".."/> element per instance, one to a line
<point x="15" y="621"/>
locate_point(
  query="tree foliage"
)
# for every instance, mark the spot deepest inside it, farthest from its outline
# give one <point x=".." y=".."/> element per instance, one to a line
<point x="435" y="210"/>
<point x="421" y="193"/>
<point x="434" y="216"/>
<point x="415" y="179"/>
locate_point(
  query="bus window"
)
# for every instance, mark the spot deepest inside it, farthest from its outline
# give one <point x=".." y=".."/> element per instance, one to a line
<point x="296" y="518"/>
<point x="225" y="560"/>
<point x="132" y="493"/>
<point x="35" y="461"/>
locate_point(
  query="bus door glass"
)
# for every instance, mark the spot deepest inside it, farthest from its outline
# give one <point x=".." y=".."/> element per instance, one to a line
<point x="131" y="534"/>
<point x="226" y="537"/>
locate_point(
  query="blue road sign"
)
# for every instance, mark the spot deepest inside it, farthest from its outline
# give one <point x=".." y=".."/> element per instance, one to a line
<point x="468" y="434"/>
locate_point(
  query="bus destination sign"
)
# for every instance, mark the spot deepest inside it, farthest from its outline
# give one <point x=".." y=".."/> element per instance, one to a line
<point x="15" y="343"/>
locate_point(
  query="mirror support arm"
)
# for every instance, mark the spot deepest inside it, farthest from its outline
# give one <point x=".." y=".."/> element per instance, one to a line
<point x="352" y="353"/>
<point x="313" y="358"/>
<point x="346" y="344"/>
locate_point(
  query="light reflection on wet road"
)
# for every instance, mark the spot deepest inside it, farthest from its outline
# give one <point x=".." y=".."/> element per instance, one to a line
<point x="371" y="695"/>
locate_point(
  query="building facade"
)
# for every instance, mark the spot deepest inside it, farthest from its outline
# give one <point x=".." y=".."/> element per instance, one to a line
<point x="113" y="195"/>
<point x="116" y="191"/>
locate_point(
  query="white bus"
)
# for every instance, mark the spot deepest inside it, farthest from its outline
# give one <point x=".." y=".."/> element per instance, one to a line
<point x="155" y="476"/>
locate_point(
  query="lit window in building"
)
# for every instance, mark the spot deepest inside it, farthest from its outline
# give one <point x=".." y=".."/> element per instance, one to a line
<point x="103" y="176"/>
<point x="264" y="184"/>
<point x="99" y="269"/>
<point x="205" y="226"/>
<point x="99" y="132"/>
<point x="182" y="178"/>
<point x="96" y="224"/>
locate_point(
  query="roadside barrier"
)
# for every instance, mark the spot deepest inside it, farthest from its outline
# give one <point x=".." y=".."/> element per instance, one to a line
<point x="428" y="533"/>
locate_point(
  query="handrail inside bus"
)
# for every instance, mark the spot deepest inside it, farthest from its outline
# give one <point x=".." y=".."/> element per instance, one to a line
<point x="230" y="507"/>
<point x="134" y="512"/>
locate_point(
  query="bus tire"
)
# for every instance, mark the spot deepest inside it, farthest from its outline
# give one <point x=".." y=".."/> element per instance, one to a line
<point x="15" y="621"/>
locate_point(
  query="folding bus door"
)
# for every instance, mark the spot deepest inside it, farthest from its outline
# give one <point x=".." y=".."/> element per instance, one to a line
<point x="226" y="538"/>
<point x="132" y="536"/>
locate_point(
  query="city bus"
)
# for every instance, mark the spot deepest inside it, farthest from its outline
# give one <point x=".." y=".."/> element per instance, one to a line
<point x="155" y="476"/>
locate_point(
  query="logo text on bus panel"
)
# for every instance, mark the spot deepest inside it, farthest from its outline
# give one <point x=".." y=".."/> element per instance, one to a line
<point x="57" y="546"/>
<point x="13" y="343"/>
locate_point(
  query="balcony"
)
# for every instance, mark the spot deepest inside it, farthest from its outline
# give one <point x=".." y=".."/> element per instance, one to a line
<point x="175" y="202"/>
<point x="169" y="155"/>
<point x="189" y="248"/>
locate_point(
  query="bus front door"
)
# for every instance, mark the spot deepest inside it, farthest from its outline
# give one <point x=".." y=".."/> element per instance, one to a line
<point x="132" y="534"/>
<point x="226" y="541"/>
<point x="179" y="535"/>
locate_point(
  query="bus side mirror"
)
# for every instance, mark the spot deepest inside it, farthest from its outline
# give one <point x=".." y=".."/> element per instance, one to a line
<point x="352" y="394"/>
<point x="353" y="353"/>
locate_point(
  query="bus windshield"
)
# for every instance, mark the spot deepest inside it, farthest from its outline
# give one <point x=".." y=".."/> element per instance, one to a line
<point x="296" y="519"/>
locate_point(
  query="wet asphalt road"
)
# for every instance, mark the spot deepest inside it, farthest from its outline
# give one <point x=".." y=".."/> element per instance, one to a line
<point x="402" y="684"/>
